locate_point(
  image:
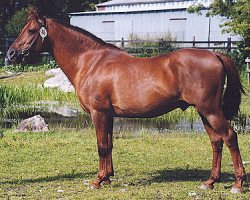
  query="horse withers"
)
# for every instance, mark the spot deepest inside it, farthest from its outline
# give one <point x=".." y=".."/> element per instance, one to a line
<point x="111" y="83"/>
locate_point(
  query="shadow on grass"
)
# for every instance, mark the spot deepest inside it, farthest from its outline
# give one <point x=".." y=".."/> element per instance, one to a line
<point x="49" y="178"/>
<point x="179" y="174"/>
<point x="170" y="175"/>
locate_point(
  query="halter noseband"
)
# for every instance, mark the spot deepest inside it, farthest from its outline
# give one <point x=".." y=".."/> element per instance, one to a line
<point x="42" y="32"/>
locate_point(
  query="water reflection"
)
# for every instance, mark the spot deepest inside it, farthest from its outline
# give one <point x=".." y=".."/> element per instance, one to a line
<point x="80" y="121"/>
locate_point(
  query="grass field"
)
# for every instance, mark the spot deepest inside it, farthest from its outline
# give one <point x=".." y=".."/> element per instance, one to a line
<point x="61" y="164"/>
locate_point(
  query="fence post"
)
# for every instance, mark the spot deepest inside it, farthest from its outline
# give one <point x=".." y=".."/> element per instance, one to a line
<point x="8" y="42"/>
<point x="193" y="41"/>
<point x="248" y="70"/>
<point x="161" y="45"/>
<point x="229" y="44"/>
<point x="122" y="43"/>
<point x="6" y="46"/>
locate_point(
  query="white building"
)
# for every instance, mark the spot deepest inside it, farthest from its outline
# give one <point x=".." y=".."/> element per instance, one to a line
<point x="118" y="19"/>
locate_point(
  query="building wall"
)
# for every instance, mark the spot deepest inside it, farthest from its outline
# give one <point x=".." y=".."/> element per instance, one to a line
<point x="150" y="24"/>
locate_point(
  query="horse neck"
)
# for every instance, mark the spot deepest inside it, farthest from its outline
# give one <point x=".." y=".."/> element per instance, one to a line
<point x="66" y="46"/>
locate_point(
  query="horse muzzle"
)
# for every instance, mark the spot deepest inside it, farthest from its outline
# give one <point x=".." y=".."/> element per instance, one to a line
<point x="14" y="55"/>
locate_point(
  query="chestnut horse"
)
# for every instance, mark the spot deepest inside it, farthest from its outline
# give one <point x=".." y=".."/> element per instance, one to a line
<point x="111" y="83"/>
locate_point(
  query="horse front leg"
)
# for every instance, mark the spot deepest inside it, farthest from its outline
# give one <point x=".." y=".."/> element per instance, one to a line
<point x="104" y="131"/>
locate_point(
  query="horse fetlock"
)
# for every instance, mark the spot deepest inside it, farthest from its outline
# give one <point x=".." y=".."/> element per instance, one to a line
<point x="216" y="179"/>
<point x="241" y="178"/>
<point x="111" y="173"/>
<point x="100" y="181"/>
<point x="244" y="177"/>
<point x="106" y="182"/>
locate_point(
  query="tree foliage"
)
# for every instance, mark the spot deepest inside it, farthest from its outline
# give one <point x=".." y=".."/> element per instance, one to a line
<point x="237" y="14"/>
<point x="238" y="18"/>
<point x="12" y="11"/>
<point x="196" y="8"/>
<point x="15" y="24"/>
<point x="238" y="23"/>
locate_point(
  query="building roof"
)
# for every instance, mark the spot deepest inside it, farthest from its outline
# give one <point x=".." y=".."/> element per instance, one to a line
<point x="126" y="2"/>
<point x="119" y="12"/>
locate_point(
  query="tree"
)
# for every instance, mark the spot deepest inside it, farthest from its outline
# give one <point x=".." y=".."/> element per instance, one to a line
<point x="58" y="9"/>
<point x="15" y="24"/>
<point x="237" y="13"/>
<point x="238" y="19"/>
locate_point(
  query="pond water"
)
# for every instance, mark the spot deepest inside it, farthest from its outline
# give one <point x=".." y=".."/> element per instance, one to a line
<point x="65" y="117"/>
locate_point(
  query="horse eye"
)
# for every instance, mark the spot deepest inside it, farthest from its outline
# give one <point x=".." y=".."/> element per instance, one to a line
<point x="32" y="31"/>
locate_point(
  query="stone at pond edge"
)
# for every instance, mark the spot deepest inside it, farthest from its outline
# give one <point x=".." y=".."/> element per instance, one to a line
<point x="33" y="124"/>
<point x="59" y="81"/>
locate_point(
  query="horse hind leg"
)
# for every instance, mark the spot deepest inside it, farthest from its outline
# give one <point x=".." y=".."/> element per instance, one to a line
<point x="217" y="145"/>
<point x="223" y="129"/>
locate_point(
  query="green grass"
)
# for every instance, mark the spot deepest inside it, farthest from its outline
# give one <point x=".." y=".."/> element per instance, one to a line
<point x="245" y="103"/>
<point x="27" y="88"/>
<point x="20" y="93"/>
<point x="60" y="165"/>
<point x="30" y="85"/>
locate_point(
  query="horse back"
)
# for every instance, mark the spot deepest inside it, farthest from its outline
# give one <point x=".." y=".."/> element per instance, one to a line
<point x="147" y="87"/>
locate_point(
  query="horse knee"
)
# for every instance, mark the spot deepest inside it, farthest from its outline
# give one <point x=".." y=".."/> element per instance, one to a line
<point x="217" y="146"/>
<point x="224" y="130"/>
<point x="104" y="150"/>
<point x="231" y="139"/>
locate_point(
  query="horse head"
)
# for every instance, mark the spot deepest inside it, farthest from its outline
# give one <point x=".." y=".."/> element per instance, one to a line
<point x="31" y="39"/>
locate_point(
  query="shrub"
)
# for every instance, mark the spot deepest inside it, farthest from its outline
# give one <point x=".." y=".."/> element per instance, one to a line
<point x="15" y="24"/>
<point x="146" y="46"/>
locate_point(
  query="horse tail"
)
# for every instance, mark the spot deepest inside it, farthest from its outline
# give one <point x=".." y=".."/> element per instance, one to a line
<point x="234" y="89"/>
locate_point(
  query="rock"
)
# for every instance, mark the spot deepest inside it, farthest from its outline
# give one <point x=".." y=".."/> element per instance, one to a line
<point x="192" y="194"/>
<point x="33" y="124"/>
<point x="59" y="80"/>
<point x="53" y="72"/>
<point x="55" y="107"/>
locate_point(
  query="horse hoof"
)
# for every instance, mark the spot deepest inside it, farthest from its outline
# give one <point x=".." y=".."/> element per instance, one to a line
<point x="106" y="182"/>
<point x="206" y="187"/>
<point x="94" y="187"/>
<point x="91" y="187"/>
<point x="236" y="190"/>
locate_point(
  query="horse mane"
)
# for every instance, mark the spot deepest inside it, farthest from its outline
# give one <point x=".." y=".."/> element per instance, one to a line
<point x="87" y="33"/>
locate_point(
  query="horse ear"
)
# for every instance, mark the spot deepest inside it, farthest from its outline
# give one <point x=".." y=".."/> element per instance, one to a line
<point x="34" y="11"/>
<point x="37" y="13"/>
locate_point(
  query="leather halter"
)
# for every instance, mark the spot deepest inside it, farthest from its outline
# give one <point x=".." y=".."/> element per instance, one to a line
<point x="42" y="32"/>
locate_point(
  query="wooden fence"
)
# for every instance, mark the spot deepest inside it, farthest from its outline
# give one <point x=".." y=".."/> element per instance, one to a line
<point x="248" y="70"/>
<point x="147" y="45"/>
<point x="152" y="47"/>
<point x="227" y="45"/>
<point x="145" y="48"/>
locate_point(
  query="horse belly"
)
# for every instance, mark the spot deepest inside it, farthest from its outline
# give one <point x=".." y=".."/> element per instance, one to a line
<point x="136" y="108"/>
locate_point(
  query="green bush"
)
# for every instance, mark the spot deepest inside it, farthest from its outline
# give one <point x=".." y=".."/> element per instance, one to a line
<point x="1" y="62"/>
<point x="239" y="60"/>
<point x="16" y="23"/>
<point x="150" y="46"/>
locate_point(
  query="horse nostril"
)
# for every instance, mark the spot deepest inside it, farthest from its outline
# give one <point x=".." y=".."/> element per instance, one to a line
<point x="11" y="53"/>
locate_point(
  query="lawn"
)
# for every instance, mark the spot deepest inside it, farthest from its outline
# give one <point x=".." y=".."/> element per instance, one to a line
<point x="60" y="164"/>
